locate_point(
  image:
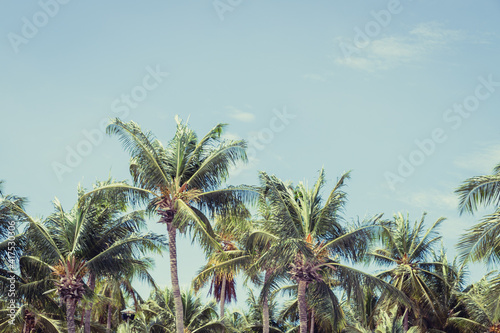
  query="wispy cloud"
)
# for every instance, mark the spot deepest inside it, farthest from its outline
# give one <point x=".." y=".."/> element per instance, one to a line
<point x="231" y="136"/>
<point x="315" y="77"/>
<point x="390" y="51"/>
<point x="431" y="199"/>
<point x="240" y="115"/>
<point x="482" y="161"/>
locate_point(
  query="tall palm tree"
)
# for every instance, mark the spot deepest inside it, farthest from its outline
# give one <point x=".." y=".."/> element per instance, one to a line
<point x="94" y="239"/>
<point x="308" y="239"/>
<point x="181" y="182"/>
<point x="479" y="242"/>
<point x="242" y="254"/>
<point x="230" y="231"/>
<point x="406" y="249"/>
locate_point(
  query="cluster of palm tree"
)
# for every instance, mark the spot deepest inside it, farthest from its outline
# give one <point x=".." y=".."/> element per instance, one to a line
<point x="304" y="264"/>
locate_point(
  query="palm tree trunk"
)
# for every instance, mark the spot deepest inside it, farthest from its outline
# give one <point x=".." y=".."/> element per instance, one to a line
<point x="172" y="249"/>
<point x="223" y="298"/>
<point x="265" y="307"/>
<point x="88" y="311"/>
<point x="108" y="321"/>
<point x="302" y="306"/>
<point x="70" y="315"/>
<point x="312" y="322"/>
<point x="223" y="295"/>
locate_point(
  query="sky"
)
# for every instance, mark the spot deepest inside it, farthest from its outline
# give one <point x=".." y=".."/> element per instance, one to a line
<point x="406" y="94"/>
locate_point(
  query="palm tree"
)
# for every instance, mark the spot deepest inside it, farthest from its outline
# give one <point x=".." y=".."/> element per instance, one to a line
<point x="230" y="231"/>
<point x="94" y="239"/>
<point x="479" y="242"/>
<point x="181" y="183"/>
<point x="308" y="239"/>
<point x="406" y="250"/>
<point x="239" y="255"/>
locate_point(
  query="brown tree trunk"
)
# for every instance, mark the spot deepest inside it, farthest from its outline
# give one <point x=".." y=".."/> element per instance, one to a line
<point x="312" y="322"/>
<point x="223" y="296"/>
<point x="108" y="321"/>
<point x="88" y="311"/>
<point x="265" y="307"/>
<point x="179" y="312"/>
<point x="302" y="306"/>
<point x="70" y="315"/>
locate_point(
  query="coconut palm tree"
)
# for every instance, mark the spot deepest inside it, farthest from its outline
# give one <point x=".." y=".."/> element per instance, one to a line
<point x="308" y="240"/>
<point x="181" y="182"/>
<point x="230" y="231"/>
<point x="406" y="250"/>
<point x="96" y="238"/>
<point x="242" y="254"/>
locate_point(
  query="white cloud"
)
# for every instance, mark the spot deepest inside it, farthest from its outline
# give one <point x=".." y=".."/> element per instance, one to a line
<point x="433" y="32"/>
<point x="315" y="77"/>
<point x="240" y="114"/>
<point x="387" y="52"/>
<point x="482" y="161"/>
<point x="430" y="200"/>
<point x="231" y="136"/>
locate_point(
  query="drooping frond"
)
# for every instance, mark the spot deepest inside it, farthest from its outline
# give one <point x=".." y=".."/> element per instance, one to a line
<point x="481" y="242"/>
<point x="480" y="190"/>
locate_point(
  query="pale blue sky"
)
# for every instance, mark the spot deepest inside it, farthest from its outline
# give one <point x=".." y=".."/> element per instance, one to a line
<point x="362" y="110"/>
